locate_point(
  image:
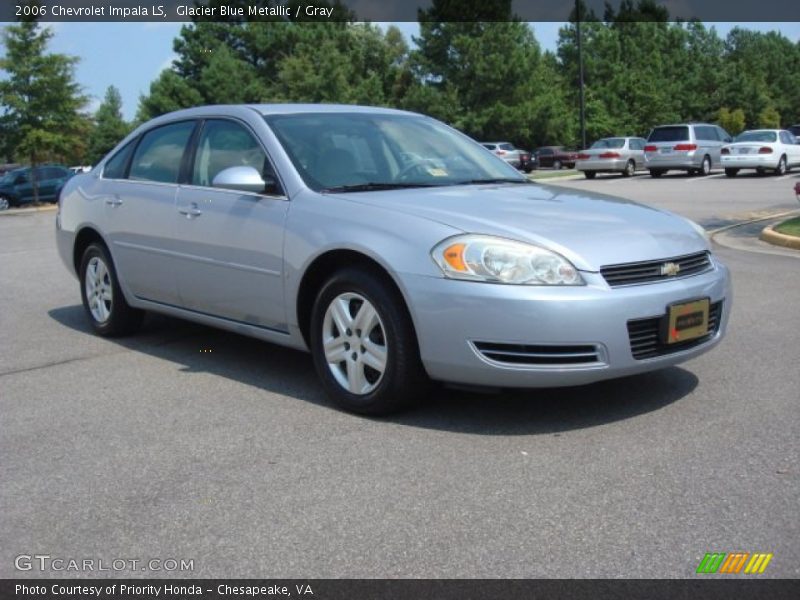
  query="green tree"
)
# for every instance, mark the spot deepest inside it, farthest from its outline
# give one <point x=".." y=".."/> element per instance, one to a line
<point x="769" y="118"/>
<point x="733" y="121"/>
<point x="40" y="98"/>
<point x="485" y="77"/>
<point x="109" y="126"/>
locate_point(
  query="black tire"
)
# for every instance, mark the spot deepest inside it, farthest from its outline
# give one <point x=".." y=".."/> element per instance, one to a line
<point x="761" y="171"/>
<point x="557" y="165"/>
<point x="731" y="172"/>
<point x="5" y="203"/>
<point x="122" y="318"/>
<point x="630" y="169"/>
<point x="705" y="166"/>
<point x="404" y="381"/>
<point x="589" y="174"/>
<point x="657" y="173"/>
<point x="781" y="169"/>
<point x="527" y="169"/>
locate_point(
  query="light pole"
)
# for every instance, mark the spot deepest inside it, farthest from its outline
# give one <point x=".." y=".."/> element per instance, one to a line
<point x="580" y="71"/>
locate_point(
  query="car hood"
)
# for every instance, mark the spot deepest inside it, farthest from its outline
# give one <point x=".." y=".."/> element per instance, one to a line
<point x="591" y="230"/>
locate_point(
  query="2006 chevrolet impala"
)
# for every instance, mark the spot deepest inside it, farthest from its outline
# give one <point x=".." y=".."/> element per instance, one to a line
<point x="394" y="248"/>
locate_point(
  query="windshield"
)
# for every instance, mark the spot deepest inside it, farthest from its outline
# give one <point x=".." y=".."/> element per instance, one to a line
<point x="609" y="143"/>
<point x="756" y="136"/>
<point x="337" y="151"/>
<point x="678" y="133"/>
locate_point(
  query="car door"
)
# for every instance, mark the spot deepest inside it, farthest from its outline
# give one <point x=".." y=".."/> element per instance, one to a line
<point x="47" y="180"/>
<point x="791" y="148"/>
<point x="230" y="242"/>
<point x="23" y="188"/>
<point x="545" y="157"/>
<point x="139" y="186"/>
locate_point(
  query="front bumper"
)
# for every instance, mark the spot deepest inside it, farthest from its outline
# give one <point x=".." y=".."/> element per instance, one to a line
<point x="452" y="316"/>
<point x="602" y="164"/>
<point x="750" y="161"/>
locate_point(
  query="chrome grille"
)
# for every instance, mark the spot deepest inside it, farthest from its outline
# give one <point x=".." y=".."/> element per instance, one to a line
<point x="652" y="270"/>
<point x="526" y="354"/>
<point x="646" y="335"/>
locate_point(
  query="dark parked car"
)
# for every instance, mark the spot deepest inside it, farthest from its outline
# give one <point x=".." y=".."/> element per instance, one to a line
<point x="556" y="157"/>
<point x="16" y="187"/>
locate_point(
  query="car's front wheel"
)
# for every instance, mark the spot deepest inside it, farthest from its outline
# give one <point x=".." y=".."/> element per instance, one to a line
<point x="4" y="203"/>
<point x="630" y="169"/>
<point x="105" y="305"/>
<point x="364" y="346"/>
<point x="657" y="172"/>
<point x="589" y="174"/>
<point x="731" y="172"/>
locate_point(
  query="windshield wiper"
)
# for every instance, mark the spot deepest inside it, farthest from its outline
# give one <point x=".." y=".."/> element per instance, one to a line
<point x="376" y="186"/>
<point x="495" y="180"/>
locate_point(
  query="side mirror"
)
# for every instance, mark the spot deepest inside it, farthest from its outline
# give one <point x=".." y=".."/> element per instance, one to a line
<point x="243" y="179"/>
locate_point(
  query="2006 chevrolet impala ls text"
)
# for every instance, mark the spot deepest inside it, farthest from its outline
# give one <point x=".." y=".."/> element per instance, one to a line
<point x="394" y="248"/>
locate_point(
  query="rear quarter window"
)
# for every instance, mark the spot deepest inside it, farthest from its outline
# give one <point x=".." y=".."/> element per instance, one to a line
<point x="115" y="167"/>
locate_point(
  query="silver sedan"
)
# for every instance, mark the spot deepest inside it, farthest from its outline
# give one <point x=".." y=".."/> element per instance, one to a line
<point x="392" y="247"/>
<point x="622" y="155"/>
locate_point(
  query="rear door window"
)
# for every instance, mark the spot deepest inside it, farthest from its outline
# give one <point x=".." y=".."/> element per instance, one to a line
<point x="705" y="133"/>
<point x="507" y="146"/>
<point x="672" y="133"/>
<point x="158" y="156"/>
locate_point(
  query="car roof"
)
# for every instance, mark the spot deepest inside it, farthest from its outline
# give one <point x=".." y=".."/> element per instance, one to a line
<point x="275" y="109"/>
<point x="685" y="125"/>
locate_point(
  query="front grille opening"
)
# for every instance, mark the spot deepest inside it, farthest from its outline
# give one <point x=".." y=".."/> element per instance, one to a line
<point x="527" y="354"/>
<point x="646" y="341"/>
<point x="652" y="270"/>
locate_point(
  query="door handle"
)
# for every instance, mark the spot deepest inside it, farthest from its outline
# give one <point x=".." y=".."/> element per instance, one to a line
<point x="115" y="201"/>
<point x="192" y="211"/>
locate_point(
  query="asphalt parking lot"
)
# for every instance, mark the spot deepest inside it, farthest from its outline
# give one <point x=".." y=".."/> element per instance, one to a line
<point x="189" y="443"/>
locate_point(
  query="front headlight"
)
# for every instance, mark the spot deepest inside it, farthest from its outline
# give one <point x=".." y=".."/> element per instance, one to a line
<point x="487" y="258"/>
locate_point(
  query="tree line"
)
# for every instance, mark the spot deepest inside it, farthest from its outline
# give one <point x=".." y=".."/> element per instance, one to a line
<point x="488" y="76"/>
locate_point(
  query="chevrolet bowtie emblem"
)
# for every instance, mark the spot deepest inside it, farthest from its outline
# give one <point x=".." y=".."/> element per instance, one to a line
<point x="670" y="269"/>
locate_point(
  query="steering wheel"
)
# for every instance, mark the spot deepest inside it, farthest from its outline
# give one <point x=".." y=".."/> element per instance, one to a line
<point x="415" y="164"/>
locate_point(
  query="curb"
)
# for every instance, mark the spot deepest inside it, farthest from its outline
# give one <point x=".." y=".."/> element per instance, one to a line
<point x="32" y="209"/>
<point x="769" y="235"/>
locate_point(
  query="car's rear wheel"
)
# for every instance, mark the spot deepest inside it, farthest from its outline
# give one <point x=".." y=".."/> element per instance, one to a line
<point x="589" y="174"/>
<point x="657" y="172"/>
<point x="630" y="169"/>
<point x="364" y="346"/>
<point x="781" y="168"/>
<point x="761" y="171"/>
<point x="731" y="172"/>
<point x="4" y="203"/>
<point x="105" y="305"/>
<point x="705" y="166"/>
<point x="557" y="165"/>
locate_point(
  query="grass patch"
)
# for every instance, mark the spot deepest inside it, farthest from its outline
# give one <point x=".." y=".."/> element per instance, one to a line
<point x="551" y="174"/>
<point x="790" y="227"/>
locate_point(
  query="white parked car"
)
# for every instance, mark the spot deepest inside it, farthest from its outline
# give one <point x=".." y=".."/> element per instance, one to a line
<point x="775" y="150"/>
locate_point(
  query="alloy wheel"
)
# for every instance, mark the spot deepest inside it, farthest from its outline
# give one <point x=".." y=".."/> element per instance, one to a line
<point x="781" y="170"/>
<point x="98" y="289"/>
<point x="354" y="343"/>
<point x="4" y="205"/>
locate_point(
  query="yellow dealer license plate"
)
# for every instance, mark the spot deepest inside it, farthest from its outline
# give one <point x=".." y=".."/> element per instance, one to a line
<point x="687" y="320"/>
